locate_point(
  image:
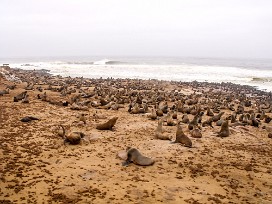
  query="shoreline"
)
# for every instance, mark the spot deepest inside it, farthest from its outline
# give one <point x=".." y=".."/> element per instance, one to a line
<point x="38" y="167"/>
<point x="48" y="71"/>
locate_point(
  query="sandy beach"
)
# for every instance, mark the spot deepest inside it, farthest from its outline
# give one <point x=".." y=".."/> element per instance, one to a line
<point x="37" y="166"/>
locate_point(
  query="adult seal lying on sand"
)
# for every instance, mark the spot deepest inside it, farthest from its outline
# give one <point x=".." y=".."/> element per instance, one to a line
<point x="133" y="155"/>
<point x="181" y="137"/>
<point x="108" y="125"/>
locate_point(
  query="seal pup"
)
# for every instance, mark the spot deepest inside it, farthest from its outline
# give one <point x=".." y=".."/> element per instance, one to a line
<point x="253" y="121"/>
<point x="2" y="92"/>
<point x="159" y="112"/>
<point x="233" y="117"/>
<point x="108" y="125"/>
<point x="153" y="115"/>
<point x="267" y="119"/>
<point x="25" y="99"/>
<point x="159" y="132"/>
<point x="185" y="118"/>
<point x="270" y="135"/>
<point x="219" y="122"/>
<point x="43" y="97"/>
<point x="134" y="156"/>
<point x="73" y="138"/>
<point x="164" y="107"/>
<point x="224" y="132"/>
<point x="208" y="122"/>
<point x="174" y="115"/>
<point x="82" y="118"/>
<point x="29" y="118"/>
<point x="135" y="109"/>
<point x="209" y="112"/>
<point x="195" y="133"/>
<point x="240" y="109"/>
<point x="19" y="96"/>
<point x="144" y="108"/>
<point x="217" y="117"/>
<point x="181" y="137"/>
<point x="193" y="122"/>
<point x="169" y="120"/>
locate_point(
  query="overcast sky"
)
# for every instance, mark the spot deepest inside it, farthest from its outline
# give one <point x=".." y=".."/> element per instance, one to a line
<point x="192" y="28"/>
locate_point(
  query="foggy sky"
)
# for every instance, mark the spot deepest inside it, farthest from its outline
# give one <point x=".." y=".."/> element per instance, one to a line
<point x="190" y="28"/>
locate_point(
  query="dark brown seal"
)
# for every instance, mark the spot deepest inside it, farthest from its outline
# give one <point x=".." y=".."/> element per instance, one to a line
<point x="29" y="118"/>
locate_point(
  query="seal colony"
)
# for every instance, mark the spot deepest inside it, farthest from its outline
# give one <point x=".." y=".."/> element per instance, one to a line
<point x="44" y="120"/>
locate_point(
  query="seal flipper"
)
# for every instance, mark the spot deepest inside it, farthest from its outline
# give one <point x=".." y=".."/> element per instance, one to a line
<point x="126" y="163"/>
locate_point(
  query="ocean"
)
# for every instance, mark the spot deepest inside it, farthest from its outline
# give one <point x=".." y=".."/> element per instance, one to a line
<point x="254" y="72"/>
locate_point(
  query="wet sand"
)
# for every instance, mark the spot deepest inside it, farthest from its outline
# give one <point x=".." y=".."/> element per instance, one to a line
<point x="36" y="166"/>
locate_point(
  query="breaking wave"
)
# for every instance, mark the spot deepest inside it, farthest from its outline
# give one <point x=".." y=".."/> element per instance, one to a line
<point x="108" y="62"/>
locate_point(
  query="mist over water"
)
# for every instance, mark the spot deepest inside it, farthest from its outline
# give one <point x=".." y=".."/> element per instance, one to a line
<point x="254" y="72"/>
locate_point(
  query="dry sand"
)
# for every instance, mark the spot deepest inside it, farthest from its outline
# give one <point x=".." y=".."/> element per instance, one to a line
<point x="36" y="167"/>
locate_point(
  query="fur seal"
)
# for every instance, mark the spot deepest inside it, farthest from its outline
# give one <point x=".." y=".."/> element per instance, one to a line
<point x="73" y="138"/>
<point x="267" y="119"/>
<point x="25" y="99"/>
<point x="169" y="120"/>
<point x="224" y="132"/>
<point x="174" y="115"/>
<point x="253" y="121"/>
<point x="181" y="137"/>
<point x="217" y="117"/>
<point x="209" y="112"/>
<point x="193" y="122"/>
<point x="135" y="109"/>
<point x="108" y="125"/>
<point x="2" y="92"/>
<point x="208" y="122"/>
<point x="185" y="118"/>
<point x="134" y="155"/>
<point x="82" y="118"/>
<point x="19" y="96"/>
<point x="219" y="122"/>
<point x="270" y="135"/>
<point x="29" y="118"/>
<point x="159" y="112"/>
<point x="153" y="115"/>
<point x="159" y="132"/>
<point x="195" y="133"/>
